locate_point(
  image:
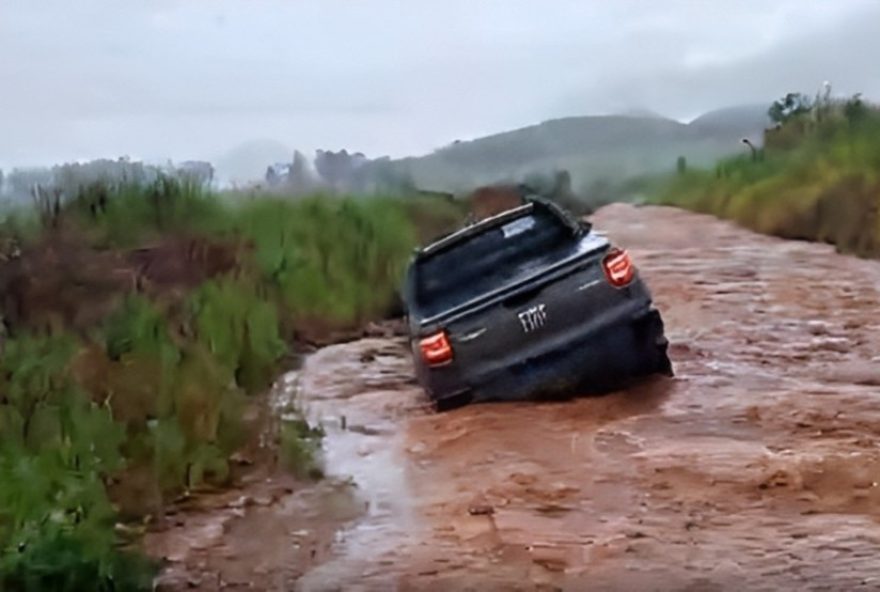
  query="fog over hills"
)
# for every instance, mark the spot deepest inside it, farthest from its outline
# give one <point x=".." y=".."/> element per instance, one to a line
<point x="187" y="81"/>
<point x="607" y="147"/>
<point x="741" y="117"/>
<point x="590" y="148"/>
<point x="248" y="161"/>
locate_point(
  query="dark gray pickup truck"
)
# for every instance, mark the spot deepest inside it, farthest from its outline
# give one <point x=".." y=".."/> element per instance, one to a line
<point x="527" y="304"/>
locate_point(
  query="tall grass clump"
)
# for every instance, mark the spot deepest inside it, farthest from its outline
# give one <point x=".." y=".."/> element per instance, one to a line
<point x="181" y="394"/>
<point x="334" y="261"/>
<point x="240" y="329"/>
<point x="57" y="449"/>
<point x="128" y="214"/>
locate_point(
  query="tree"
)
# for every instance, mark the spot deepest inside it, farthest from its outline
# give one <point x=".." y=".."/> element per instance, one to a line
<point x="822" y="102"/>
<point x="562" y="190"/>
<point x="791" y="105"/>
<point x="335" y="168"/>
<point x="681" y="165"/>
<point x="300" y="176"/>
<point x="752" y="148"/>
<point x="199" y="173"/>
<point x="22" y="183"/>
<point x="854" y="109"/>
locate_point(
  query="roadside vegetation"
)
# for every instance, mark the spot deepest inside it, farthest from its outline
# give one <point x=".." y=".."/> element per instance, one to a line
<point x="142" y="327"/>
<point x="816" y="177"/>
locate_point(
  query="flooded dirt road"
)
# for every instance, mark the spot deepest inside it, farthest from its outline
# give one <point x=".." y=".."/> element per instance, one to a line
<point x="756" y="468"/>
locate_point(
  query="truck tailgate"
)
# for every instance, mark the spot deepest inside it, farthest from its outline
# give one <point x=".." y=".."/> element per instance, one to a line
<point x="508" y="329"/>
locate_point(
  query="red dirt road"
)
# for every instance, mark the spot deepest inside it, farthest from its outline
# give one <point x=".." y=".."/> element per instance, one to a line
<point x="756" y="468"/>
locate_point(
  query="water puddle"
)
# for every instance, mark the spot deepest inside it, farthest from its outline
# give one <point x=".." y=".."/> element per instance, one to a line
<point x="358" y="393"/>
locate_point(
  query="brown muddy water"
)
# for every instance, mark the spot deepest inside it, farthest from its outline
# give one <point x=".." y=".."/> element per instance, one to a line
<point x="756" y="468"/>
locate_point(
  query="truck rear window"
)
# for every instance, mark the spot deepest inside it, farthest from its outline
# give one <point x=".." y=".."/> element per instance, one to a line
<point x="493" y="259"/>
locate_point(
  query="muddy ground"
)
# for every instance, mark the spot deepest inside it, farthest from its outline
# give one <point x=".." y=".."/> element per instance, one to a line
<point x="756" y="468"/>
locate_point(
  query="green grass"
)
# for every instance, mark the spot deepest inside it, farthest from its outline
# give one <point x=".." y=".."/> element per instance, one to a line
<point x="815" y="180"/>
<point x="130" y="215"/>
<point x="56" y="448"/>
<point x="114" y="422"/>
<point x="239" y="329"/>
<point x="333" y="261"/>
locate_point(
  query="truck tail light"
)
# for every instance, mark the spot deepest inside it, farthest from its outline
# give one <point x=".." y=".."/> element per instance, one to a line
<point x="436" y="349"/>
<point x="619" y="268"/>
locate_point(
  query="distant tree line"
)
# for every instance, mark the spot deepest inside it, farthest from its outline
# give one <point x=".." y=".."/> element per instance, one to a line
<point x="65" y="181"/>
<point x="796" y="115"/>
<point x="338" y="172"/>
<point x="796" y="105"/>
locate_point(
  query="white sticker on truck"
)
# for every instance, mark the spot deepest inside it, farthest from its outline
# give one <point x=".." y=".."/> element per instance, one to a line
<point x="518" y="226"/>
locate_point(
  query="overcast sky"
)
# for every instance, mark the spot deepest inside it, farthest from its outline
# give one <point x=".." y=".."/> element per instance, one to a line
<point x="194" y="78"/>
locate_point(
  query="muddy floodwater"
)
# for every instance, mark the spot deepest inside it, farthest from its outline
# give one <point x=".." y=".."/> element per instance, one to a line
<point x="756" y="468"/>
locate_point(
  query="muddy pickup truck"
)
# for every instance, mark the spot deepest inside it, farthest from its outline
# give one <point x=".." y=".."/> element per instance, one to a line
<point x="529" y="303"/>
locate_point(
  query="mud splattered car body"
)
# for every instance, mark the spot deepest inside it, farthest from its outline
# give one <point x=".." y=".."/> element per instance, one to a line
<point x="529" y="303"/>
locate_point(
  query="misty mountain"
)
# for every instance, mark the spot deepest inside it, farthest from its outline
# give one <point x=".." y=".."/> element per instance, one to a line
<point x="591" y="148"/>
<point x="641" y="112"/>
<point x="743" y="120"/>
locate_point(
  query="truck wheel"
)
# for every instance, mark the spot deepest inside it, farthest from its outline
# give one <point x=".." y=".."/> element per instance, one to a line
<point x="453" y="402"/>
<point x="651" y="334"/>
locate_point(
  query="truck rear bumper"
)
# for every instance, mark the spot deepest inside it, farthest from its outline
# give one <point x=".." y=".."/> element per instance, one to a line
<point x="598" y="362"/>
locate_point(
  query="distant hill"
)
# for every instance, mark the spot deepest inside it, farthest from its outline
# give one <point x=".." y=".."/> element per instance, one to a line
<point x="744" y="119"/>
<point x="641" y="112"/>
<point x="592" y="148"/>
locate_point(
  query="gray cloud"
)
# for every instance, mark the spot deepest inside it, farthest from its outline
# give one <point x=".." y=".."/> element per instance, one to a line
<point x="187" y="79"/>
